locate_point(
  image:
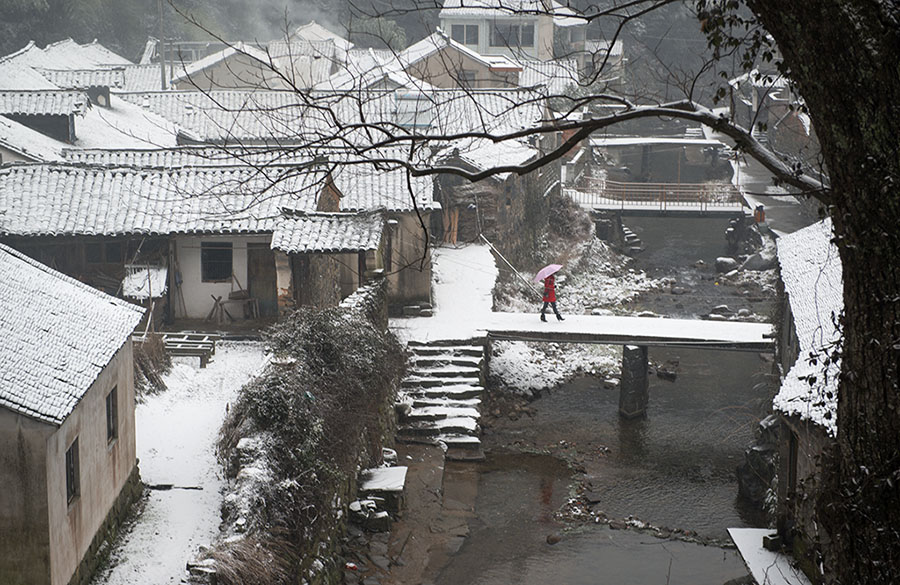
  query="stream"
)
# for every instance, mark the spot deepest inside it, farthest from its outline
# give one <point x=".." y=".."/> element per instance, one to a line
<point x="673" y="469"/>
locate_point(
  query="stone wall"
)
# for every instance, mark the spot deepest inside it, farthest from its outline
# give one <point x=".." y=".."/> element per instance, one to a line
<point x="109" y="529"/>
<point x="371" y="301"/>
<point x="799" y="479"/>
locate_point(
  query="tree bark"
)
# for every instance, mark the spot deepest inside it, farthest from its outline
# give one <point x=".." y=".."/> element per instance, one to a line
<point x="845" y="58"/>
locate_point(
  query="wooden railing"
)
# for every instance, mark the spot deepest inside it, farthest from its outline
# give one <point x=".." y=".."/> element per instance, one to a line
<point x="601" y="193"/>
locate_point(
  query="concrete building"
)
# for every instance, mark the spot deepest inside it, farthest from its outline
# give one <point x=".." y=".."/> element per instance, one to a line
<point x="67" y="442"/>
<point x="521" y="29"/>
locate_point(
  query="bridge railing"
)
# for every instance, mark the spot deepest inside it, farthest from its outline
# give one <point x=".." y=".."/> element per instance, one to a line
<point x="602" y="193"/>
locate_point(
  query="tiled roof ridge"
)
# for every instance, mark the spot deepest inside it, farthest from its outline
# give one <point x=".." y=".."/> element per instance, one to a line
<point x="68" y="279"/>
<point x="291" y="213"/>
<point x="136" y="169"/>
<point x="13" y="55"/>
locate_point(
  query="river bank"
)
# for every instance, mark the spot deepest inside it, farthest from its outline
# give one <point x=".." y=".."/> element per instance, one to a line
<point x="570" y="492"/>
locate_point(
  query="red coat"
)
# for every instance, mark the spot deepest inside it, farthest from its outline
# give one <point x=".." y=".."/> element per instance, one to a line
<point x="550" y="289"/>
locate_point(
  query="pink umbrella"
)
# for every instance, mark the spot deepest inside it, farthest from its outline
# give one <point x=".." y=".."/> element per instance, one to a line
<point x="546" y="271"/>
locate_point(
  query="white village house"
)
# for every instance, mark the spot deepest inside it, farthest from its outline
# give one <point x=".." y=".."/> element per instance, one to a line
<point x="287" y="238"/>
<point x="67" y="440"/>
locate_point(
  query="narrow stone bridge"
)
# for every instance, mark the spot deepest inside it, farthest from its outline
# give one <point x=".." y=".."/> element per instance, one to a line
<point x="636" y="335"/>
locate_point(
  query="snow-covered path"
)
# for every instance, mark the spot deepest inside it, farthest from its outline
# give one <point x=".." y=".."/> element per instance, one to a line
<point x="176" y="434"/>
<point x="463" y="280"/>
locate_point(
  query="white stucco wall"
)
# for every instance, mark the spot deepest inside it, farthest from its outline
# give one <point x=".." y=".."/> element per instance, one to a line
<point x="197" y="293"/>
<point x="104" y="466"/>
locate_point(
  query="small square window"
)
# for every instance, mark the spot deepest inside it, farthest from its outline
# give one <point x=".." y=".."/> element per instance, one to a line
<point x="215" y="261"/>
<point x="72" y="480"/>
<point x="458" y="33"/>
<point x="112" y="415"/>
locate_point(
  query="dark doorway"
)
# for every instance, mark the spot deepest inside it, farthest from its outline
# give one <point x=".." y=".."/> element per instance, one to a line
<point x="261" y="278"/>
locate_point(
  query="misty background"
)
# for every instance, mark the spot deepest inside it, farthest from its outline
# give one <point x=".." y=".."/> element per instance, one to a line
<point x="664" y="48"/>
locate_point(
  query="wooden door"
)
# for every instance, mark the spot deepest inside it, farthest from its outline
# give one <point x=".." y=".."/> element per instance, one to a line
<point x="261" y="280"/>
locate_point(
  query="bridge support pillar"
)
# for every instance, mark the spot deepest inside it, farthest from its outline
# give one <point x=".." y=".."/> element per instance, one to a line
<point x="634" y="388"/>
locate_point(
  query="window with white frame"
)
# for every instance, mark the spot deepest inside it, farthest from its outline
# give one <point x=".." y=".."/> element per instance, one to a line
<point x="512" y="35"/>
<point x="466" y="34"/>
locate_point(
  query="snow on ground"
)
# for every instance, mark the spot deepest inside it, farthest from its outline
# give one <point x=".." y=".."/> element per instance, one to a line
<point x="530" y="368"/>
<point x="598" y="281"/>
<point x="176" y="434"/>
<point x="462" y="291"/>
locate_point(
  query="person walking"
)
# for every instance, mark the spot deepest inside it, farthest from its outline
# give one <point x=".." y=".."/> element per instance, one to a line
<point x="550" y="298"/>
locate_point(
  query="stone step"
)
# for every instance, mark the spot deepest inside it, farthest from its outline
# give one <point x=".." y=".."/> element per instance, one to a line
<point x="474" y="341"/>
<point x="447" y="360"/>
<point x="457" y="392"/>
<point x="456" y="443"/>
<point x="465" y="453"/>
<point x="431" y="382"/>
<point x="471" y="350"/>
<point x="426" y="413"/>
<point x="461" y="403"/>
<point x="456" y="425"/>
<point x="447" y="371"/>
<point x="460" y="441"/>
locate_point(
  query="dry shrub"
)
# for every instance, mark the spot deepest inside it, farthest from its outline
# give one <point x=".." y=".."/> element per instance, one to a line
<point x="254" y="561"/>
<point x="568" y="220"/>
<point x="151" y="361"/>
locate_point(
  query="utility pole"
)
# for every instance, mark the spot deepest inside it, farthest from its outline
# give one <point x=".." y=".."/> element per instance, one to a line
<point x="161" y="48"/>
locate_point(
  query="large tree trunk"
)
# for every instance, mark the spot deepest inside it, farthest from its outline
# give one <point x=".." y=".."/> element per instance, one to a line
<point x="845" y="57"/>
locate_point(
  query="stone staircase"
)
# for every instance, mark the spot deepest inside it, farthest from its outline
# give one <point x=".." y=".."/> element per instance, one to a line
<point x="444" y="389"/>
<point x="633" y="244"/>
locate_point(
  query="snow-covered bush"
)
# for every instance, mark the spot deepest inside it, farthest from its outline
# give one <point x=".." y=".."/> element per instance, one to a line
<point x="320" y="409"/>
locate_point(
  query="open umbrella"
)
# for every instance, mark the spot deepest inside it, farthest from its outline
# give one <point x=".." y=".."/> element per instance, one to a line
<point x="546" y="271"/>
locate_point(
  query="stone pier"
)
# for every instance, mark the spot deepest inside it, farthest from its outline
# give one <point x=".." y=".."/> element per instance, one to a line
<point x="634" y="388"/>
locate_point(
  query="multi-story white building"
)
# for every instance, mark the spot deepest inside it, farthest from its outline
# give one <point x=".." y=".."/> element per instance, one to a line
<point x="521" y="29"/>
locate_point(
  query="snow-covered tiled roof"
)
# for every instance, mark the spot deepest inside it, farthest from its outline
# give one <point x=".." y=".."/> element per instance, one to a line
<point x="84" y="56"/>
<point x="43" y="102"/>
<point x="812" y="275"/>
<point x="144" y="77"/>
<point x="58" y="335"/>
<point x="19" y="76"/>
<point x="85" y="78"/>
<point x="55" y="200"/>
<point x="242" y="115"/>
<point x="482" y="153"/>
<point x="557" y="75"/>
<point x="67" y="54"/>
<point x="29" y="143"/>
<point x="183" y="156"/>
<point x="562" y="15"/>
<point x="184" y="71"/>
<point x="328" y="232"/>
<point x="314" y="31"/>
